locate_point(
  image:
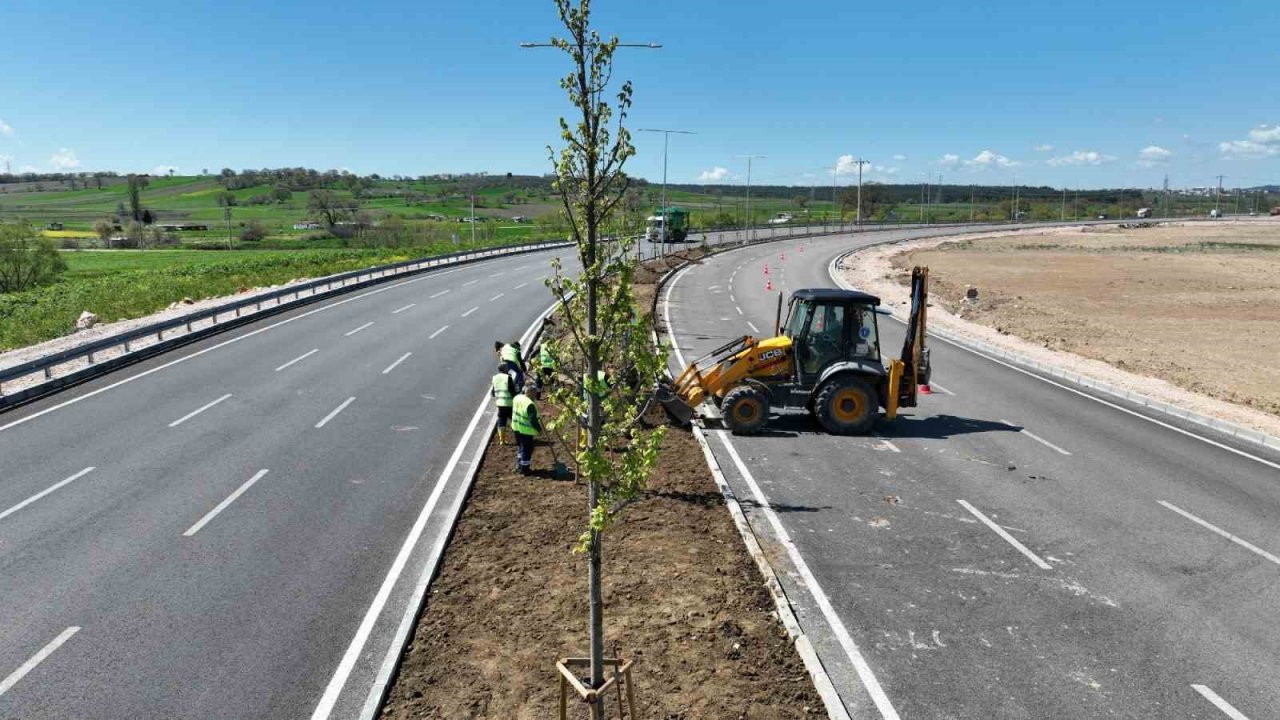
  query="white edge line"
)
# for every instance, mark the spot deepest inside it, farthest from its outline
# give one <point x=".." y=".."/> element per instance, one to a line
<point x="46" y="491"/>
<point x="470" y="311"/>
<point x="300" y="358"/>
<point x="223" y="505"/>
<point x="887" y="442"/>
<point x="353" y="332"/>
<point x="334" y="413"/>
<point x="400" y="310"/>
<point x="1005" y="534"/>
<point x="197" y="411"/>
<point x="1081" y="393"/>
<point x="865" y="674"/>
<point x="343" y="672"/>
<point x="1209" y="526"/>
<point x="1219" y="703"/>
<point x="17" y="675"/>
<point x="238" y="338"/>
<point x="1033" y="436"/>
<point x="434" y="334"/>
<point x="399" y="360"/>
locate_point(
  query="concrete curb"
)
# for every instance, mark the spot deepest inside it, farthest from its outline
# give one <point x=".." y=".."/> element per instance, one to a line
<point x="782" y="604"/>
<point x="1224" y="427"/>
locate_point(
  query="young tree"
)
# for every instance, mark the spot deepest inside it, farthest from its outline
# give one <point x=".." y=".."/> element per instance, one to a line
<point x="136" y="185"/>
<point x="26" y="258"/>
<point x="104" y="229"/>
<point x="604" y="331"/>
<point x="326" y="205"/>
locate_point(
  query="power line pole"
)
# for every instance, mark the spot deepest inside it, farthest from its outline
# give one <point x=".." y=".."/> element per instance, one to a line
<point x="666" y="136"/>
<point x="747" y="219"/>
<point x="1217" y="198"/>
<point x="860" y="162"/>
<point x="226" y="215"/>
<point x="971" y="198"/>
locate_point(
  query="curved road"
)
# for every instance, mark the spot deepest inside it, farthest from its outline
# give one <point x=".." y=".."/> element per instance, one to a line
<point x="1013" y="548"/>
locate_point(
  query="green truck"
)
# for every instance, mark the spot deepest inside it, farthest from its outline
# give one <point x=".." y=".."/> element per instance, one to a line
<point x="677" y="227"/>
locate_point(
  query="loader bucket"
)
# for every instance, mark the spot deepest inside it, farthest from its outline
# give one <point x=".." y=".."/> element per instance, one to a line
<point x="677" y="409"/>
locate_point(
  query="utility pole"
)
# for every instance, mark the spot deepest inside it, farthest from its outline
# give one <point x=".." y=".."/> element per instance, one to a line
<point x="923" y="189"/>
<point x="860" y="162"/>
<point x="1064" y="204"/>
<point x="971" y="197"/>
<point x="835" y="170"/>
<point x="472" y="220"/>
<point x="226" y="215"/>
<point x="666" y="136"/>
<point x="1217" y="198"/>
<point x="1013" y="209"/>
<point x="747" y="220"/>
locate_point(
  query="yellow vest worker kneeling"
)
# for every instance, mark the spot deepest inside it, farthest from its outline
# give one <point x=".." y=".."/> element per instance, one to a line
<point x="527" y="425"/>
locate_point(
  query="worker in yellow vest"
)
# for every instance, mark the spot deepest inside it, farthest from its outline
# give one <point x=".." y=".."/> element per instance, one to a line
<point x="527" y="426"/>
<point x="510" y="354"/>
<point x="548" y="363"/>
<point x="601" y="389"/>
<point x="503" y="391"/>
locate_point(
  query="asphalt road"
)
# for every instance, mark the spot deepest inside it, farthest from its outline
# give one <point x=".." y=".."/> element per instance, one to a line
<point x="216" y="533"/>
<point x="1135" y="572"/>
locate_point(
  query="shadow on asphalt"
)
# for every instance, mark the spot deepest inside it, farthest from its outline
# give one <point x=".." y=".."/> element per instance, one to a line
<point x="750" y="504"/>
<point x="939" y="427"/>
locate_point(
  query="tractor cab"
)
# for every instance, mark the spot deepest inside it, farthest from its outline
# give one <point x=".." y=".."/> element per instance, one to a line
<point x="829" y="328"/>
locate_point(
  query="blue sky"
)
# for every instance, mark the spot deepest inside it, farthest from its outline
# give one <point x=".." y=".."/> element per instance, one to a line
<point x="1095" y="94"/>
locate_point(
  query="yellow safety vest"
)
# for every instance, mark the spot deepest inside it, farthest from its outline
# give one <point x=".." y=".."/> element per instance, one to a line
<point x="600" y="387"/>
<point x="547" y="357"/>
<point x="511" y="355"/>
<point x="502" y="390"/>
<point x="520" y="420"/>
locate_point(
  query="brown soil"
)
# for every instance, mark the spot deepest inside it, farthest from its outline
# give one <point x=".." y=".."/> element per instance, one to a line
<point x="682" y="598"/>
<point x="1196" y="305"/>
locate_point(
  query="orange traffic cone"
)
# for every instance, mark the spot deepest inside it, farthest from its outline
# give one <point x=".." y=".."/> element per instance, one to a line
<point x="925" y="389"/>
<point x="801" y="249"/>
<point x="766" y="268"/>
<point x="768" y="285"/>
<point x="782" y="257"/>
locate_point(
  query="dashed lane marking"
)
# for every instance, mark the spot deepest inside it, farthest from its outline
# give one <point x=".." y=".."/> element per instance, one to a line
<point x="1007" y="537"/>
<point x="1209" y="526"/>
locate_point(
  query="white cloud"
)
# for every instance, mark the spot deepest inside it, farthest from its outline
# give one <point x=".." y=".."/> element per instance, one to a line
<point x="949" y="160"/>
<point x="5" y="128"/>
<point x="987" y="159"/>
<point x="1263" y="140"/>
<point x="1081" y="157"/>
<point x="1153" y="155"/>
<point x="164" y="169"/>
<point x="1044" y="148"/>
<point x="5" y="158"/>
<point x="28" y="169"/>
<point x="715" y="174"/>
<point x="883" y="170"/>
<point x="899" y="157"/>
<point x="1266" y="135"/>
<point x="64" y="159"/>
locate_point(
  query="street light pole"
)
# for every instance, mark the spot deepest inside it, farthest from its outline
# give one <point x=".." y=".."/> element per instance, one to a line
<point x="858" y="218"/>
<point x="666" y="136"/>
<point x="1217" y="198"/>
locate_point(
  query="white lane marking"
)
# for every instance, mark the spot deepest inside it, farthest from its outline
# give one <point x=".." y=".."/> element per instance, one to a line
<point x="334" y="413"/>
<point x="735" y="307"/>
<point x="236" y="339"/>
<point x="935" y="386"/>
<point x="865" y="674"/>
<point x="46" y="491"/>
<point x="495" y="297"/>
<point x="354" y="650"/>
<point x="497" y="274"/>
<point x="397" y="311"/>
<point x="36" y="659"/>
<point x="1219" y="703"/>
<point x="753" y="327"/>
<point x="1007" y="537"/>
<point x="433" y="335"/>
<point x="393" y="365"/>
<point x="666" y="317"/>
<point x="732" y="299"/>
<point x="300" y="358"/>
<point x="353" y="332"/>
<point x="520" y="286"/>
<point x="442" y="292"/>
<point x="223" y="505"/>
<point x="472" y="282"/>
<point x="197" y="411"/>
<point x="1242" y="543"/>
<point x="887" y="442"/>
<point x="1109" y="404"/>
<point x="1035" y="437"/>
<point x="470" y="311"/>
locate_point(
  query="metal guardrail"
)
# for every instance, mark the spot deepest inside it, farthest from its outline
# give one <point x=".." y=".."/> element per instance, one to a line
<point x="224" y="316"/>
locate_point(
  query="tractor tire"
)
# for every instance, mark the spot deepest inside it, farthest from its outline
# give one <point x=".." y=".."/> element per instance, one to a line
<point x="745" y="410"/>
<point x="846" y="405"/>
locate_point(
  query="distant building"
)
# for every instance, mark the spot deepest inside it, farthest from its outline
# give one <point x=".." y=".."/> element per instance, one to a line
<point x="308" y="225"/>
<point x="54" y="226"/>
<point x="182" y="227"/>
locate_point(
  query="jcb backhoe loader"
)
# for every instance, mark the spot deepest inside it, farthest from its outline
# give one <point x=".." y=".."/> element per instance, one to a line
<point x="824" y="358"/>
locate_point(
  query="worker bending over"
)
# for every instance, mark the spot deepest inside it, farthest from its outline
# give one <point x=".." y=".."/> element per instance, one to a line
<point x="503" y="392"/>
<point x="547" y="362"/>
<point x="510" y="354"/>
<point x="527" y="426"/>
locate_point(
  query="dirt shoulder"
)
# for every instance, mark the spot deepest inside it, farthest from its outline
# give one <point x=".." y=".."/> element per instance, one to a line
<point x="1188" y="314"/>
<point x="682" y="597"/>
